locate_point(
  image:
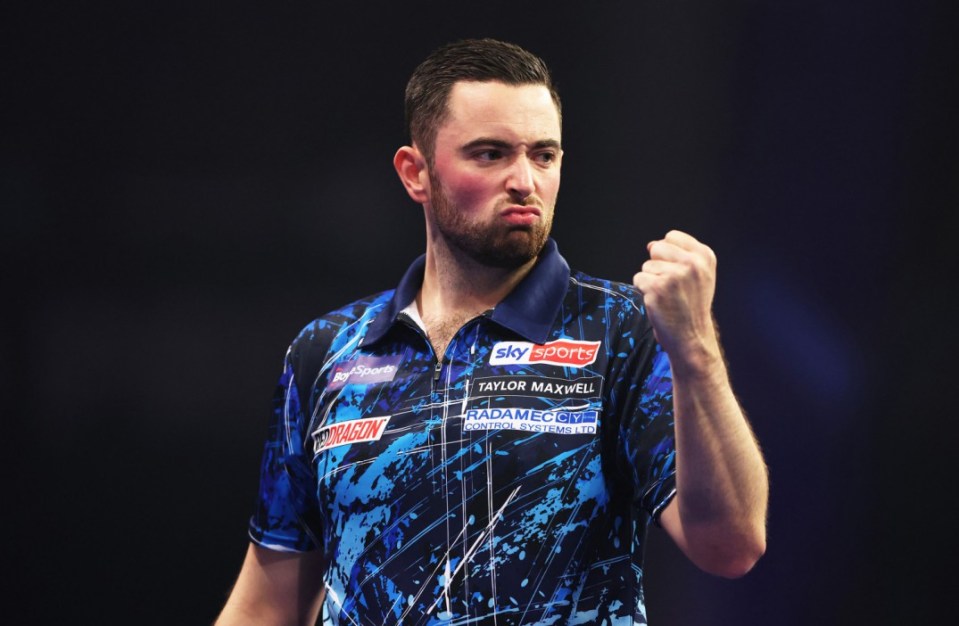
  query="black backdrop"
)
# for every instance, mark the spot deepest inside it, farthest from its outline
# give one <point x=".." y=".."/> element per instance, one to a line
<point x="186" y="185"/>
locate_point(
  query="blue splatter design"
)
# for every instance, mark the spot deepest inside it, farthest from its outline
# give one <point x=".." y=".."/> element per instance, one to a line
<point x="437" y="519"/>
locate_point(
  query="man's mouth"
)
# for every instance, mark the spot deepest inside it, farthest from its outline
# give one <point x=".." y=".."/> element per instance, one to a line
<point x="521" y="215"/>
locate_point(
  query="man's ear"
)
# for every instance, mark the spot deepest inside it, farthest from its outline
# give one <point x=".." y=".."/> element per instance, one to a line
<point x="410" y="165"/>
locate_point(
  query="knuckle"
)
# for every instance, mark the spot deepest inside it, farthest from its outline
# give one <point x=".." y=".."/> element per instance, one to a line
<point x="702" y="265"/>
<point x="710" y="256"/>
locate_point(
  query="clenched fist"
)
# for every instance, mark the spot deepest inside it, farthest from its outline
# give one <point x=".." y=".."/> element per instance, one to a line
<point x="678" y="282"/>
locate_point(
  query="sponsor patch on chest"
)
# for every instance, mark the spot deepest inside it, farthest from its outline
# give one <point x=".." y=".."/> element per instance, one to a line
<point x="532" y="420"/>
<point x="565" y="352"/>
<point x="365" y="370"/>
<point x="539" y="386"/>
<point x="352" y="431"/>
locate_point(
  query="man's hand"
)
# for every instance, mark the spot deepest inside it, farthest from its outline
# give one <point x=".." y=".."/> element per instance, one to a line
<point x="678" y="282"/>
<point x="718" y="517"/>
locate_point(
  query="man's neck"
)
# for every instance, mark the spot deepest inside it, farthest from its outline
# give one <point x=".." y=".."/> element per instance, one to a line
<point x="457" y="286"/>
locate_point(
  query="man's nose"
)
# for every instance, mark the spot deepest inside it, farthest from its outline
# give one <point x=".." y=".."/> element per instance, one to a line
<point x="520" y="182"/>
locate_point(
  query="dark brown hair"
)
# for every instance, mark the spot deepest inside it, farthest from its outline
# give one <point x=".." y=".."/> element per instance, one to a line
<point x="481" y="60"/>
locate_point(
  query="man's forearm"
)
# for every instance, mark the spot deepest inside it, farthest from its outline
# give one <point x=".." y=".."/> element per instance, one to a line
<point x="722" y="484"/>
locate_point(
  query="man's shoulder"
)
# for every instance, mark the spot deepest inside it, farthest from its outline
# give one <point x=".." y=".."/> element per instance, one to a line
<point x="350" y="319"/>
<point x="606" y="292"/>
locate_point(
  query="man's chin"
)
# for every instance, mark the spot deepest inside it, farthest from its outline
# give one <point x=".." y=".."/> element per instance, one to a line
<point x="515" y="251"/>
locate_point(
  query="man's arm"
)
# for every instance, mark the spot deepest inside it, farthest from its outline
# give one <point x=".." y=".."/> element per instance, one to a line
<point x="718" y="517"/>
<point x="276" y="589"/>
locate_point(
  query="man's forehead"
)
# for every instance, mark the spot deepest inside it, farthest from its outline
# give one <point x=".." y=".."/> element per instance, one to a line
<point x="496" y="104"/>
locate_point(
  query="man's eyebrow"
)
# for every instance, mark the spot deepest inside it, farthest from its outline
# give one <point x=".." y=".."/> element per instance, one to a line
<point x="547" y="143"/>
<point x="490" y="142"/>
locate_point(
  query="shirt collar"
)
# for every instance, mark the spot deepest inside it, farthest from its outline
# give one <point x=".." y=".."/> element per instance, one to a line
<point x="528" y="310"/>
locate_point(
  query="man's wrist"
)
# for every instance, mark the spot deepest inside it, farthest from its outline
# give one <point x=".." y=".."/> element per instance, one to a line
<point x="701" y="360"/>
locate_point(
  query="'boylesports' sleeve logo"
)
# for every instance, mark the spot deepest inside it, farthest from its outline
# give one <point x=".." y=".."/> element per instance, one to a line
<point x="365" y="370"/>
<point x="566" y="352"/>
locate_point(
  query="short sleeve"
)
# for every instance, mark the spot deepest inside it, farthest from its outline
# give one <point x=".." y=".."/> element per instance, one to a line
<point x="649" y="441"/>
<point x="286" y="517"/>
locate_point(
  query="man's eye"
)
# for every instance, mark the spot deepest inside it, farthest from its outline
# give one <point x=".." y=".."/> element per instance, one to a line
<point x="546" y="157"/>
<point x="489" y="155"/>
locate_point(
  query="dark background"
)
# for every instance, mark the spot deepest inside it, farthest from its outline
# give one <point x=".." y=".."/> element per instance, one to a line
<point x="184" y="186"/>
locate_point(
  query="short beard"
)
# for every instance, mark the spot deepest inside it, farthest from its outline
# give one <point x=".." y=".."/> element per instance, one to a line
<point x="502" y="246"/>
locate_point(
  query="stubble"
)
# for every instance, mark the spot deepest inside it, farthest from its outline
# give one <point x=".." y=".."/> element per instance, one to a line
<point x="494" y="244"/>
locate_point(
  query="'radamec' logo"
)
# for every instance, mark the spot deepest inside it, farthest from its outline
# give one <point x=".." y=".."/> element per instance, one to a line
<point x="566" y="352"/>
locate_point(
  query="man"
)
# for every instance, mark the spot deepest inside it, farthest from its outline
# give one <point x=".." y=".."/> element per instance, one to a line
<point x="488" y="442"/>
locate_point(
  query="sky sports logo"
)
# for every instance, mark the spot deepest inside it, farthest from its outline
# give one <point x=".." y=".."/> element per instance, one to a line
<point x="565" y="352"/>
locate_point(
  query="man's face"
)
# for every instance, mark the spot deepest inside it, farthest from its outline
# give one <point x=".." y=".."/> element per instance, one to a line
<point x="495" y="172"/>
